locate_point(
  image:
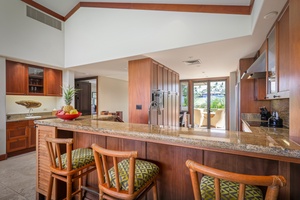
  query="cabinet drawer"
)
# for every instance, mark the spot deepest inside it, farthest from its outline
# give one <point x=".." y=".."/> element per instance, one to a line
<point x="18" y="132"/>
<point x="16" y="145"/>
<point x="17" y="124"/>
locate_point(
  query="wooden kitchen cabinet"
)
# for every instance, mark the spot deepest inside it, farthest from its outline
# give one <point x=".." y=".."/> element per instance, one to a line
<point x="283" y="53"/>
<point x="53" y="82"/>
<point x="31" y="130"/>
<point x="35" y="80"/>
<point x="146" y="76"/>
<point x="20" y="137"/>
<point x="260" y="90"/>
<point x="278" y="66"/>
<point x="16" y="74"/>
<point x="24" y="79"/>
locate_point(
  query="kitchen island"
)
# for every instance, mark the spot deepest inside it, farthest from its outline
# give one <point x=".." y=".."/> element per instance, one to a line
<point x="264" y="152"/>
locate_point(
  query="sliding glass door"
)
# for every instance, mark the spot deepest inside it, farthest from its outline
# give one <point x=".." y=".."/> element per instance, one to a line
<point x="209" y="104"/>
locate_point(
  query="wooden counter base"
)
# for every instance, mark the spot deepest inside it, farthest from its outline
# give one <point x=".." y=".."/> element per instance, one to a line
<point x="174" y="180"/>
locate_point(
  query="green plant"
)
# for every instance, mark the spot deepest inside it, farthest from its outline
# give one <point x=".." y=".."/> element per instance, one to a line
<point x="69" y="93"/>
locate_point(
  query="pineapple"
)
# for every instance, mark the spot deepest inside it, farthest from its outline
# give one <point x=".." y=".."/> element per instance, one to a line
<point x="69" y="93"/>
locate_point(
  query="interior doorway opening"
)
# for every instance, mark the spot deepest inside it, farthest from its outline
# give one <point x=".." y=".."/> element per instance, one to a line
<point x="86" y="99"/>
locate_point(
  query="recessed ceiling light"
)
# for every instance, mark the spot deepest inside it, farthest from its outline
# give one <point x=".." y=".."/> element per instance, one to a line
<point x="270" y="15"/>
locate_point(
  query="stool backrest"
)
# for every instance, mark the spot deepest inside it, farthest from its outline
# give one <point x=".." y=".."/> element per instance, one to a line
<point x="57" y="146"/>
<point x="273" y="182"/>
<point x="102" y="164"/>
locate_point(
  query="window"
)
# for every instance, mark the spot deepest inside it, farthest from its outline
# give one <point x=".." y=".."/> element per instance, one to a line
<point x="184" y="99"/>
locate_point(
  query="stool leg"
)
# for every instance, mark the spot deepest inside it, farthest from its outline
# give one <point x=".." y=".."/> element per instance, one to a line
<point x="69" y="187"/>
<point x="79" y="185"/>
<point x="154" y="188"/>
<point x="50" y="187"/>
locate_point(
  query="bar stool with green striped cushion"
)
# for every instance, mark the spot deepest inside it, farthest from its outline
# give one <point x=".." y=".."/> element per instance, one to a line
<point x="229" y="190"/>
<point x="144" y="171"/>
<point x="80" y="158"/>
<point x="128" y="178"/>
<point x="68" y="167"/>
<point x="219" y="184"/>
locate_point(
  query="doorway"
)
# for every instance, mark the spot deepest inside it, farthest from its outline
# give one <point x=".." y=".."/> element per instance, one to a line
<point x="209" y="104"/>
<point x="86" y="100"/>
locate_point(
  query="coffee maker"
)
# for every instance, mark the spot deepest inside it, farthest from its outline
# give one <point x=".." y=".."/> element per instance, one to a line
<point x="275" y="120"/>
<point x="264" y="113"/>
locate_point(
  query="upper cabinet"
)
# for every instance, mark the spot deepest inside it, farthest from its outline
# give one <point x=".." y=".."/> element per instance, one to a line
<point x="53" y="82"/>
<point x="278" y="58"/>
<point x="23" y="79"/>
<point x="35" y="80"/>
<point x="271" y="66"/>
<point x="16" y="74"/>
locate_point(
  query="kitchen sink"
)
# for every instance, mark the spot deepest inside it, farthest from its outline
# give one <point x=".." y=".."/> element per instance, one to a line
<point x="32" y="117"/>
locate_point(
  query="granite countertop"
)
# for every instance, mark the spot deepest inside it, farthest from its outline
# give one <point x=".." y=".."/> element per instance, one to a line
<point x="268" y="141"/>
<point x="21" y="117"/>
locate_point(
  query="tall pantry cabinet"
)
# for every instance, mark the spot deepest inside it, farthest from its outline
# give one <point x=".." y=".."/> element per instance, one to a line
<point x="146" y="76"/>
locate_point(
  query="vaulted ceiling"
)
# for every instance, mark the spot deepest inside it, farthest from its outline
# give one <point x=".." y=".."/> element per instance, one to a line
<point x="217" y="58"/>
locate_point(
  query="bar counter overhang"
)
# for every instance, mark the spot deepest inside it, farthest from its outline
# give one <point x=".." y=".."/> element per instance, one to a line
<point x="265" y="151"/>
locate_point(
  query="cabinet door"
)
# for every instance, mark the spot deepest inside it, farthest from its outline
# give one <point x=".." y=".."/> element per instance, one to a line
<point x="15" y="78"/>
<point x="283" y="53"/>
<point x="35" y="80"/>
<point x="53" y="82"/>
<point x="16" y="136"/>
<point x="272" y="63"/>
<point x="31" y="130"/>
<point x="260" y="89"/>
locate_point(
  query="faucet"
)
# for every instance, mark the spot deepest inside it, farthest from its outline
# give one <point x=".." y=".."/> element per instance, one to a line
<point x="30" y="114"/>
<point x="153" y="103"/>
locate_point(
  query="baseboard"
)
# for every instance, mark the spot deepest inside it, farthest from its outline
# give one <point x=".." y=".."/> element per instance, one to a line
<point x="16" y="153"/>
<point x="3" y="157"/>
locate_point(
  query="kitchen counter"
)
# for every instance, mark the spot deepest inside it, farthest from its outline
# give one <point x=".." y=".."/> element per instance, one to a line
<point x="21" y="117"/>
<point x="262" y="140"/>
<point x="262" y="152"/>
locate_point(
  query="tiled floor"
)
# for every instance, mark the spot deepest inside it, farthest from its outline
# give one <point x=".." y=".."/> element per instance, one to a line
<point x="17" y="177"/>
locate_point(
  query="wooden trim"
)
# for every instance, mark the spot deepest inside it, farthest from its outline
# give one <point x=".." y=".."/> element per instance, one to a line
<point x="220" y="9"/>
<point x="223" y="9"/>
<point x="44" y="9"/>
<point x="72" y="11"/>
<point x="3" y="157"/>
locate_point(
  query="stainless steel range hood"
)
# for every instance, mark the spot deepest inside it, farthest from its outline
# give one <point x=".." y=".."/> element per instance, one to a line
<point x="257" y="69"/>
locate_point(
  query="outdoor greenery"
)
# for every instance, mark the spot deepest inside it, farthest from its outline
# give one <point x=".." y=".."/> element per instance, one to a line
<point x="217" y="91"/>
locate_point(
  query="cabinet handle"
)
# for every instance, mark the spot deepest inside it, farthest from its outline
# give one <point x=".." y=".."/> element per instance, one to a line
<point x="275" y="96"/>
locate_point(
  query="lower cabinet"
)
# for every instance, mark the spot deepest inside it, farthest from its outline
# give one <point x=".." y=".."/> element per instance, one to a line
<point x="20" y="136"/>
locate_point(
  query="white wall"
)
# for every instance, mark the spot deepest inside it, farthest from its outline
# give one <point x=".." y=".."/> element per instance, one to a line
<point x="94" y="34"/>
<point x="26" y="39"/>
<point x="113" y="96"/>
<point x="2" y="107"/>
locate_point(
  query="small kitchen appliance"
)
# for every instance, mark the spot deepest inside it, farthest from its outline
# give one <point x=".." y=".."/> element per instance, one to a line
<point x="264" y="113"/>
<point x="275" y="121"/>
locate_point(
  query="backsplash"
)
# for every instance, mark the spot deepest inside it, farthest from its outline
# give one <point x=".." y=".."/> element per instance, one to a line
<point x="48" y="104"/>
<point x="279" y="105"/>
<point x="282" y="106"/>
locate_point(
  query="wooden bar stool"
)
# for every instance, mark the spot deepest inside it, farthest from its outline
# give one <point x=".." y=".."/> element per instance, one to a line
<point x="218" y="184"/>
<point x="70" y="166"/>
<point x="129" y="178"/>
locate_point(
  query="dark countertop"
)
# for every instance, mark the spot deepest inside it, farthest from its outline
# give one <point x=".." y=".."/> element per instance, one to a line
<point x="262" y="140"/>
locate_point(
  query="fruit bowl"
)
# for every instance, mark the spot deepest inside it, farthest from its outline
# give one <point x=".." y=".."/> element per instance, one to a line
<point x="69" y="116"/>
